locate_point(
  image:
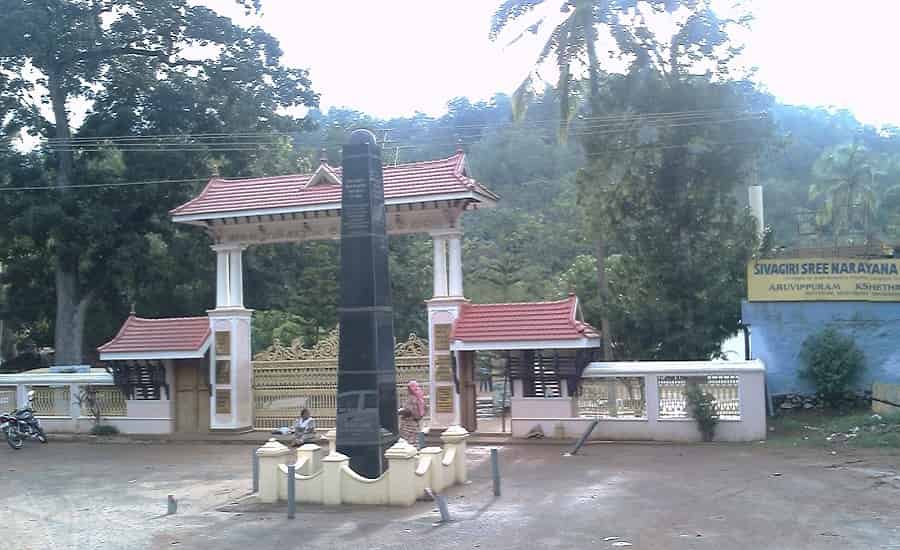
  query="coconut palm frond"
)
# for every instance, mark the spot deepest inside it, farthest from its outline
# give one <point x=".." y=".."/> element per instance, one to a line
<point x="532" y="29"/>
<point x="825" y="187"/>
<point x="522" y="97"/>
<point x="509" y="11"/>
<point x="556" y="42"/>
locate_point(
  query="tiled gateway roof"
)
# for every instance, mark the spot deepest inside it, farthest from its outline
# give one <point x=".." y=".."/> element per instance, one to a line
<point x="402" y="183"/>
<point x="531" y="321"/>
<point x="178" y="334"/>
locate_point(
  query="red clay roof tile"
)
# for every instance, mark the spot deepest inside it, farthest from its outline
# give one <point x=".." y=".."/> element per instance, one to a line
<point x="155" y="335"/>
<point x="521" y="321"/>
<point x="418" y="179"/>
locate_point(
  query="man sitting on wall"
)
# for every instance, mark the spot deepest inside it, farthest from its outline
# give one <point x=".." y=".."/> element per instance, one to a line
<point x="304" y="428"/>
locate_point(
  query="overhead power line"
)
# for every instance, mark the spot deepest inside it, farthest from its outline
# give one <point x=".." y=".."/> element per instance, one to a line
<point x="595" y="129"/>
<point x="248" y="138"/>
<point x="97" y="185"/>
<point x="197" y="180"/>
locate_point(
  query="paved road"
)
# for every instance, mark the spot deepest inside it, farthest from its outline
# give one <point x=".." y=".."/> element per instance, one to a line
<point x="105" y="496"/>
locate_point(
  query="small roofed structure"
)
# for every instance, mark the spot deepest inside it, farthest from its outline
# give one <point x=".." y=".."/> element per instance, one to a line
<point x="147" y="356"/>
<point x="526" y="325"/>
<point x="166" y="338"/>
<point x="546" y="346"/>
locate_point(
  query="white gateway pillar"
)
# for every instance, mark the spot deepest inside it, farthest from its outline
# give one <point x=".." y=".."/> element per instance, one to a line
<point x="440" y="265"/>
<point x="454" y="251"/>
<point x="443" y="309"/>
<point x="229" y="276"/>
<point x="230" y="373"/>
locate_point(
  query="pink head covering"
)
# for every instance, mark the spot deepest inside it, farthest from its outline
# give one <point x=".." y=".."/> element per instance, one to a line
<point x="417" y="396"/>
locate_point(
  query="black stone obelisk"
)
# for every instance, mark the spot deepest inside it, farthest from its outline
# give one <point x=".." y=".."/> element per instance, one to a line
<point x="367" y="392"/>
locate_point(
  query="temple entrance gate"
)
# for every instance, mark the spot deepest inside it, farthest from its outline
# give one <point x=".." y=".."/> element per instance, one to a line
<point x="427" y="197"/>
<point x="287" y="379"/>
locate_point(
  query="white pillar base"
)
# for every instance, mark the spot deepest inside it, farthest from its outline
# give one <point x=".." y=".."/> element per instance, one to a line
<point x="442" y="311"/>
<point x="231" y="396"/>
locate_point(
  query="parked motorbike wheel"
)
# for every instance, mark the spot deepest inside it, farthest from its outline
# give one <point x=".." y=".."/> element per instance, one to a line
<point x="15" y="440"/>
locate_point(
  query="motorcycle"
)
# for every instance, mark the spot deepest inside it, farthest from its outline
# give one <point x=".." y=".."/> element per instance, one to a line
<point x="22" y="424"/>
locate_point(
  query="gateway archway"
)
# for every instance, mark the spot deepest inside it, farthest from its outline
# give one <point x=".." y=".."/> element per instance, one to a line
<point x="422" y="197"/>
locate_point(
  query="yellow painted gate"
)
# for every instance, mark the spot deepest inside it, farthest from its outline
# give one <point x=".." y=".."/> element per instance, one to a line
<point x="287" y="379"/>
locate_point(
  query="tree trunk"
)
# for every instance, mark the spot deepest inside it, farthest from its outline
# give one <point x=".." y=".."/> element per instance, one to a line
<point x="4" y="343"/>
<point x="70" y="306"/>
<point x="600" y="251"/>
<point x="70" y="314"/>
<point x="596" y="108"/>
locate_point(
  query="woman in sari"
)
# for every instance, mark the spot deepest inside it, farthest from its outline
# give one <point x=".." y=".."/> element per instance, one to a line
<point x="412" y="412"/>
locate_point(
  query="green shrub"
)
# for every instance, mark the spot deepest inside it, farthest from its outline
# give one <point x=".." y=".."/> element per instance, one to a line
<point x="703" y="409"/>
<point x="832" y="363"/>
<point x="104" y="429"/>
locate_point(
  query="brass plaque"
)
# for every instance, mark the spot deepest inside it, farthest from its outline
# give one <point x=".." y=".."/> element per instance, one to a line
<point x="443" y="375"/>
<point x="223" y="372"/>
<point x="223" y="401"/>
<point x="442" y="371"/>
<point x="444" y="399"/>
<point x="223" y="343"/>
<point x="442" y="337"/>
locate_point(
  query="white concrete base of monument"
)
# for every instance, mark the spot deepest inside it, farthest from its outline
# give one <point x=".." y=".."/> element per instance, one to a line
<point x="329" y="480"/>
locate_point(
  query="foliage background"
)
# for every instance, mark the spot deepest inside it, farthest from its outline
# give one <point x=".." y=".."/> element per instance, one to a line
<point x="827" y="178"/>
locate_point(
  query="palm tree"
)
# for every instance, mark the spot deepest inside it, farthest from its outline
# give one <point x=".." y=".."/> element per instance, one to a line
<point x="851" y="178"/>
<point x="569" y="42"/>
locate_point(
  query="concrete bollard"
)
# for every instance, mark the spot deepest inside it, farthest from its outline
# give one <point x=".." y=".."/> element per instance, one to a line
<point x="291" y="491"/>
<point x="584" y="437"/>
<point x="495" y="471"/>
<point x="442" y="506"/>
<point x="255" y="469"/>
<point x="441" y="501"/>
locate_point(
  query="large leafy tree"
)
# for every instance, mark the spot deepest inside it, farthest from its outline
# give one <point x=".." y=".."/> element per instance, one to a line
<point x="571" y="43"/>
<point x="143" y="68"/>
<point x="665" y="190"/>
<point x="658" y="189"/>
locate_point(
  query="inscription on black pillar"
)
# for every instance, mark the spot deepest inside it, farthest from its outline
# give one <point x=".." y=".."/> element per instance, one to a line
<point x="367" y="392"/>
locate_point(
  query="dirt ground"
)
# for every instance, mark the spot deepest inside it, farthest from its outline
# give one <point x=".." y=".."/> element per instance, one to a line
<point x="113" y="496"/>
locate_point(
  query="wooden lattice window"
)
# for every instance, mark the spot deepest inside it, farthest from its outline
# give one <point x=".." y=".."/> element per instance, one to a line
<point x="142" y="381"/>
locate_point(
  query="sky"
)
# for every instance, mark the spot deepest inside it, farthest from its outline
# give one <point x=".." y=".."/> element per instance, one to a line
<point x="395" y="57"/>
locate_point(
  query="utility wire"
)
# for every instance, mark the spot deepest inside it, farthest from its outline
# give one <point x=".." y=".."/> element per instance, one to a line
<point x="613" y="117"/>
<point x="96" y="185"/>
<point x="196" y="180"/>
<point x="591" y="121"/>
<point x="577" y="131"/>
